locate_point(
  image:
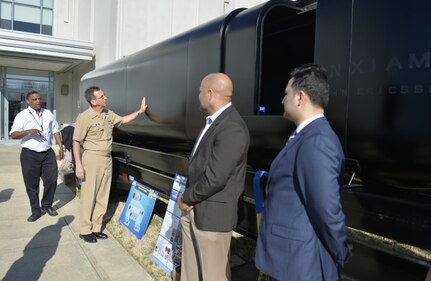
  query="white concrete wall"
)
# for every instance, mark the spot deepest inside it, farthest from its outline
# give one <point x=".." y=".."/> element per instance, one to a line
<point x="68" y="106"/>
<point x="73" y="19"/>
<point x="123" y="27"/>
<point x="63" y="101"/>
<point x="234" y="4"/>
<point x="119" y="28"/>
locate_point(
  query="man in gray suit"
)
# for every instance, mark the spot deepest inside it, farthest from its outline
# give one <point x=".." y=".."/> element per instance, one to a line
<point x="302" y="234"/>
<point x="216" y="181"/>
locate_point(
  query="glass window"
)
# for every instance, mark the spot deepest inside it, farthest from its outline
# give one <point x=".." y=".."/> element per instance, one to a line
<point x="22" y="73"/>
<point x="27" y="79"/>
<point x="29" y="2"/>
<point x="6" y="11"/>
<point x="35" y="16"/>
<point x="47" y="17"/>
<point x="47" y="30"/>
<point x="6" y="15"/>
<point x="47" y="4"/>
<point x="27" y="14"/>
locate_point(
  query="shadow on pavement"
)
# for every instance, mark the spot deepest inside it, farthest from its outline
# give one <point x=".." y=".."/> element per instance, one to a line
<point x="63" y="197"/>
<point x="6" y="194"/>
<point x="38" y="252"/>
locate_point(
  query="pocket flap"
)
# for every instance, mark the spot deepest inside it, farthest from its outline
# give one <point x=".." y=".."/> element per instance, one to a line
<point x="290" y="233"/>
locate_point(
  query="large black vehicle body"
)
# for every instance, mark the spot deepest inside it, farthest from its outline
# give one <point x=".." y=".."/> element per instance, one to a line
<point x="378" y="56"/>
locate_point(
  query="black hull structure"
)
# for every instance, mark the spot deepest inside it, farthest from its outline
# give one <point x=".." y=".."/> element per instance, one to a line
<point x="379" y="71"/>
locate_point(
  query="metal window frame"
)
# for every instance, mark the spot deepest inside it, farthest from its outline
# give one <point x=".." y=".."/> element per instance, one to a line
<point x="41" y="9"/>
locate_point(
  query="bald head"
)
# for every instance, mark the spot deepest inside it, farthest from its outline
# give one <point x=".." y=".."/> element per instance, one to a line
<point x="215" y="92"/>
<point x="219" y="83"/>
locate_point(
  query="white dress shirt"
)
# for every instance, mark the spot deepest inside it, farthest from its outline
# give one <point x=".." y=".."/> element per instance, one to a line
<point x="45" y="122"/>
<point x="308" y="121"/>
<point x="209" y="121"/>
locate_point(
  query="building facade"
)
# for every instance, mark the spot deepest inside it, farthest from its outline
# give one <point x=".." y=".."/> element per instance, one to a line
<point x="48" y="45"/>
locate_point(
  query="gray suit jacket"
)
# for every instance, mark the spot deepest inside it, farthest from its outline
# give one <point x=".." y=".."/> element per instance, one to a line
<point x="217" y="173"/>
<point x="302" y="233"/>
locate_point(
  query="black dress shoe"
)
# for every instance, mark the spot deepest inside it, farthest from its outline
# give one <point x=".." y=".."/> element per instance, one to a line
<point x="100" y="235"/>
<point x="33" y="217"/>
<point x="89" y="238"/>
<point x="50" y="211"/>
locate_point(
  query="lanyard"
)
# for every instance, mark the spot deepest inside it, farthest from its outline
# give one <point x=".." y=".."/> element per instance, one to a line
<point x="41" y="119"/>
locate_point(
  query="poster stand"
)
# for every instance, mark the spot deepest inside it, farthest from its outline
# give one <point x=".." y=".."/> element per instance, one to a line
<point x="167" y="253"/>
<point x="138" y="209"/>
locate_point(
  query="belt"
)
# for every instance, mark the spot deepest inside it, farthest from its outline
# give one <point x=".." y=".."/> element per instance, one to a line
<point x="36" y="151"/>
<point x="106" y="153"/>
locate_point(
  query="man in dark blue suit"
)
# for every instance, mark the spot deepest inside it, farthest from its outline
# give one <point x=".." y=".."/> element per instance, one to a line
<point x="302" y="234"/>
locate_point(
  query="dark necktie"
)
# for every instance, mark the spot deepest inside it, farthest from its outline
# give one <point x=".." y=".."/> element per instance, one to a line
<point x="207" y="124"/>
<point x="292" y="136"/>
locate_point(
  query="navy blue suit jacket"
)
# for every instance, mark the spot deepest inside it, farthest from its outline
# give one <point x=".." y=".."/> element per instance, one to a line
<point x="302" y="233"/>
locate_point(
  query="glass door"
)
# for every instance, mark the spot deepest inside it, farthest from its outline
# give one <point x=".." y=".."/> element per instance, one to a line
<point x="14" y="103"/>
<point x="16" y="86"/>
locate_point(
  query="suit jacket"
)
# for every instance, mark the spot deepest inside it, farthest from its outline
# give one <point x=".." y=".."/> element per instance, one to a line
<point x="302" y="233"/>
<point x="217" y="173"/>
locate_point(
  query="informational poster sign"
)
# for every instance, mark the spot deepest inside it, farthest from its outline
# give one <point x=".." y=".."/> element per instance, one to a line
<point x="138" y="209"/>
<point x="167" y="253"/>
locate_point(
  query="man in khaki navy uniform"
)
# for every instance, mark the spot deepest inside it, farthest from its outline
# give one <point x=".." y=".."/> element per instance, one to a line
<point x="93" y="131"/>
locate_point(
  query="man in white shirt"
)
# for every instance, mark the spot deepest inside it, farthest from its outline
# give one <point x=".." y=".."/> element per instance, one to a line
<point x="35" y="126"/>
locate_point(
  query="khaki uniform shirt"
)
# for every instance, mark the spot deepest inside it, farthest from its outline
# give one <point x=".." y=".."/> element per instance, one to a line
<point x="94" y="131"/>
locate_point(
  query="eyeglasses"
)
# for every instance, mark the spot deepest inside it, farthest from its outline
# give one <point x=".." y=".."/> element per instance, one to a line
<point x="101" y="97"/>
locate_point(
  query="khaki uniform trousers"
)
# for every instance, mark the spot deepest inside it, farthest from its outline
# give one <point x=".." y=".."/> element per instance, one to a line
<point x="94" y="190"/>
<point x="205" y="254"/>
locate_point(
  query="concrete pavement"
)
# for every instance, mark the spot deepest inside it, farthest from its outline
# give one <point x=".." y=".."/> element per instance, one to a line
<point x="50" y="248"/>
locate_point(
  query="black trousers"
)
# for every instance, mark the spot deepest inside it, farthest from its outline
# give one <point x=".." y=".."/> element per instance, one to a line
<point x="36" y="165"/>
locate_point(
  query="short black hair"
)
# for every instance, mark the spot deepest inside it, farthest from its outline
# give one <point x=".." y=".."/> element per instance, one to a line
<point x="313" y="80"/>
<point x="31" y="92"/>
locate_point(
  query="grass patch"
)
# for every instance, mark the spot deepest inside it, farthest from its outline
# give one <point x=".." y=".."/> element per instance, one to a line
<point x="140" y="250"/>
<point x="242" y="248"/>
